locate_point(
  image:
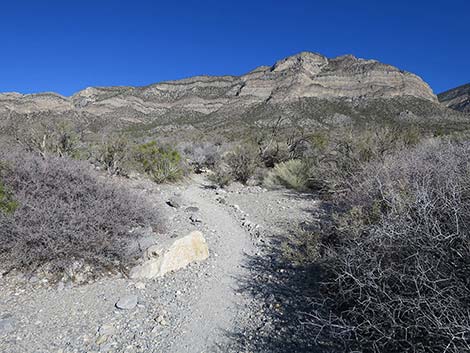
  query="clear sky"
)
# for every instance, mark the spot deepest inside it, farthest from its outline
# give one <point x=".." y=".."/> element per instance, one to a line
<point x="65" y="46"/>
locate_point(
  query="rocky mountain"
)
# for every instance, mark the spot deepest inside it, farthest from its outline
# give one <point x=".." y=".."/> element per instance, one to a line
<point x="457" y="98"/>
<point x="306" y="88"/>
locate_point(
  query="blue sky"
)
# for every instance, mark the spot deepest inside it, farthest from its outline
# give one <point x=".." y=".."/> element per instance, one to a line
<point x="65" y="46"/>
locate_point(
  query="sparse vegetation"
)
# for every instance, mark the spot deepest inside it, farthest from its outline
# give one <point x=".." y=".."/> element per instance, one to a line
<point x="8" y="204"/>
<point x="397" y="259"/>
<point x="238" y="164"/>
<point x="113" y="153"/>
<point x="58" y="139"/>
<point x="203" y="155"/>
<point x="65" y="212"/>
<point x="292" y="174"/>
<point x="161" y="164"/>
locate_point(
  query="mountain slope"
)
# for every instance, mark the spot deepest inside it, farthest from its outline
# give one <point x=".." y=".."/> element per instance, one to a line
<point x="306" y="88"/>
<point x="457" y="98"/>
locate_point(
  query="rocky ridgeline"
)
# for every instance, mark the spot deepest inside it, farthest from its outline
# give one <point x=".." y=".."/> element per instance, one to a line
<point x="457" y="98"/>
<point x="302" y="76"/>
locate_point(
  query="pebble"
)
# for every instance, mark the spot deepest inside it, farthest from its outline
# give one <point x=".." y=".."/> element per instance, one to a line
<point x="107" y="330"/>
<point x="6" y="324"/>
<point x="192" y="209"/>
<point x="140" y="285"/>
<point x="127" y="302"/>
<point x="194" y="219"/>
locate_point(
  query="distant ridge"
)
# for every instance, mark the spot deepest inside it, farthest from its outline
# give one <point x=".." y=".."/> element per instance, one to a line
<point x="457" y="98"/>
<point x="307" y="89"/>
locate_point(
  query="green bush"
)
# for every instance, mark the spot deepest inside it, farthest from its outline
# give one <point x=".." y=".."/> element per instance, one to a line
<point x="7" y="202"/>
<point x="161" y="164"/>
<point x="293" y="174"/>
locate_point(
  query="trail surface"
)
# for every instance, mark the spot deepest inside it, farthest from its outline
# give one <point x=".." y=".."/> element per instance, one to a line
<point x="196" y="309"/>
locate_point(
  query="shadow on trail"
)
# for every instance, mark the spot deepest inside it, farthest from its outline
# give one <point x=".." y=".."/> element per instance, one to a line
<point x="281" y="296"/>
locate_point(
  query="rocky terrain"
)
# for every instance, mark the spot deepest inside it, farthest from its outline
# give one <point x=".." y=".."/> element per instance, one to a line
<point x="457" y="98"/>
<point x="307" y="89"/>
<point x="197" y="309"/>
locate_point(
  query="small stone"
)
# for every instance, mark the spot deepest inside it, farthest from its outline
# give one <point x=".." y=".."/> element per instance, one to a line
<point x="101" y="339"/>
<point x="192" y="209"/>
<point x="194" y="219"/>
<point x="174" y="201"/>
<point x="161" y="320"/>
<point x="107" y="330"/>
<point x="140" y="285"/>
<point x="127" y="302"/>
<point x="6" y="324"/>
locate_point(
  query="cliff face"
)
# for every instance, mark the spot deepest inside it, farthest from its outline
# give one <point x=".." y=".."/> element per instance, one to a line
<point x="457" y="98"/>
<point x="302" y="75"/>
<point x="307" y="87"/>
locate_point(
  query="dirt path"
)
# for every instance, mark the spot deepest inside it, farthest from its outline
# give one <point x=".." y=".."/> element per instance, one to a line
<point x="216" y="307"/>
<point x="193" y="310"/>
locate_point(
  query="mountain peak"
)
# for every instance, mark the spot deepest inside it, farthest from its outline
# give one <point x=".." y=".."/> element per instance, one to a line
<point x="305" y="59"/>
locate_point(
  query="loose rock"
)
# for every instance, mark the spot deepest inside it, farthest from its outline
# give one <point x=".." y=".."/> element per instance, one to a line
<point x="191" y="248"/>
<point x="6" y="324"/>
<point x="127" y="302"/>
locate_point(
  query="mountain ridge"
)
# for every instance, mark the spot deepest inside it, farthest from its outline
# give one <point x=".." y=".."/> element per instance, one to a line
<point x="306" y="87"/>
<point x="457" y="98"/>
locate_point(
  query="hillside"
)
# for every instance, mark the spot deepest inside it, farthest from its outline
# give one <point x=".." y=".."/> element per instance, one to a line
<point x="457" y="98"/>
<point x="306" y="89"/>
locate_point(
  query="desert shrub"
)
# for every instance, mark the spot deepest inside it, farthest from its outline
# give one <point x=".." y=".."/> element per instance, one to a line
<point x="7" y="202"/>
<point x="66" y="212"/>
<point x="242" y="162"/>
<point x="161" y="164"/>
<point x="113" y="154"/>
<point x="203" y="155"/>
<point x="221" y="175"/>
<point x="337" y="156"/>
<point x="274" y="153"/>
<point x="301" y="246"/>
<point x="59" y="139"/>
<point x="398" y="272"/>
<point x="292" y="174"/>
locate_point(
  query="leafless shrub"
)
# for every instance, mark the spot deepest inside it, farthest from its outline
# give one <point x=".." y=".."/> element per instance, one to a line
<point x="203" y="155"/>
<point x="66" y="212"/>
<point x="58" y="139"/>
<point x="399" y="272"/>
<point x="113" y="154"/>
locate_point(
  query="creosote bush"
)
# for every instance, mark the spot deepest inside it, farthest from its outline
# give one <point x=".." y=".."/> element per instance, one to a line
<point x="399" y="268"/>
<point x="161" y="164"/>
<point x="67" y="212"/>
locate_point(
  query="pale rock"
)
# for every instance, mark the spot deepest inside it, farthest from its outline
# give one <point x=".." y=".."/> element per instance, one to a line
<point x="183" y="251"/>
<point x="127" y="302"/>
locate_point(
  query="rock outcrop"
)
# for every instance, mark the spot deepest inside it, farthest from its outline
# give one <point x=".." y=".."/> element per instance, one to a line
<point x="300" y="76"/>
<point x="307" y="90"/>
<point x="457" y="98"/>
